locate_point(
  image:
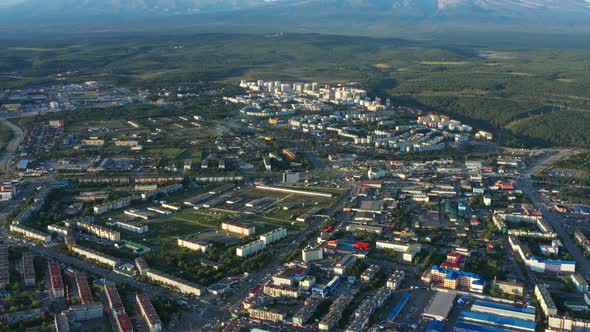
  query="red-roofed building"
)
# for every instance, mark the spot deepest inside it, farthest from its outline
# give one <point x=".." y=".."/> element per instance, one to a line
<point x="84" y="292"/>
<point x="149" y="313"/>
<point x="124" y="323"/>
<point x="57" y="284"/>
<point x="255" y="290"/>
<point x="505" y="186"/>
<point x="114" y="299"/>
<point x="454" y="261"/>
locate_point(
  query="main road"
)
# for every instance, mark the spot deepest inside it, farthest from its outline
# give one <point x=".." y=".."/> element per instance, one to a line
<point x="582" y="263"/>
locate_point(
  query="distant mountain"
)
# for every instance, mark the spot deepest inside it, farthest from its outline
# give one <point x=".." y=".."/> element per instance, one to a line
<point x="182" y="7"/>
<point x="302" y="14"/>
<point x="128" y="7"/>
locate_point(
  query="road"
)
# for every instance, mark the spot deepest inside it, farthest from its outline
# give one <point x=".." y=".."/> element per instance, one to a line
<point x="12" y="147"/>
<point x="582" y="264"/>
<point x="539" y="166"/>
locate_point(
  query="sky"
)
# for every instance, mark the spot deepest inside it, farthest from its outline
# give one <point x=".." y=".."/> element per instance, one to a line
<point x="9" y="2"/>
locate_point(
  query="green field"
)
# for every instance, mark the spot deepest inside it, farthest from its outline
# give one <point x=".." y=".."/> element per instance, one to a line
<point x="5" y="136"/>
<point x="185" y="223"/>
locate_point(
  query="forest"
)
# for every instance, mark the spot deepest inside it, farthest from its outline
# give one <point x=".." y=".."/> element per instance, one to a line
<point x="527" y="97"/>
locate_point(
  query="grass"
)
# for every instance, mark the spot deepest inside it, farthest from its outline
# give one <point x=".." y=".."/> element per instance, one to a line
<point x="6" y="136"/>
<point x="185" y="223"/>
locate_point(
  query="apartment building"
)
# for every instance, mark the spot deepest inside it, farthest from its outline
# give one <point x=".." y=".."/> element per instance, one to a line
<point x="238" y="228"/>
<point x="148" y="312"/>
<point x="27" y="269"/>
<point x="132" y="226"/>
<point x="201" y="246"/>
<point x="112" y="262"/>
<point x="273" y="236"/>
<point x="30" y="233"/>
<point x="4" y="265"/>
<point x="57" y="284"/>
<point x="181" y="285"/>
<point x="250" y="249"/>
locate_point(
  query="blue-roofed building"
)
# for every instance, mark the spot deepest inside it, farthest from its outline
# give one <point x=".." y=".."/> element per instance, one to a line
<point x="551" y="265"/>
<point x="458" y="279"/>
<point x="435" y="326"/>
<point x="583" y="209"/>
<point x="398" y="307"/>
<point x="462" y="326"/>
<point x="579" y="282"/>
<point x="498" y="321"/>
<point x="462" y="206"/>
<point x="505" y="310"/>
<point x="23" y="164"/>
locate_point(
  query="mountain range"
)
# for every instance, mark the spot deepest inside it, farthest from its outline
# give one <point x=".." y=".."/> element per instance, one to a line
<point x="545" y="14"/>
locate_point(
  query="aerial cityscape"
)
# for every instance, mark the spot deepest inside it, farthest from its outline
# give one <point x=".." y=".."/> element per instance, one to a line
<point x="251" y="175"/>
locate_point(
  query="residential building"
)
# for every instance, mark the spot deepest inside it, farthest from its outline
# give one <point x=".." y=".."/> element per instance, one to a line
<point x="114" y="205"/>
<point x="370" y="273"/>
<point x="201" y="246"/>
<point x="181" y="285"/>
<point x="27" y="269"/>
<point x="312" y="253"/>
<point x="545" y="300"/>
<point x="305" y="313"/>
<point x="273" y="236"/>
<point x="57" y="284"/>
<point x="132" y="226"/>
<point x="579" y="282"/>
<point x="4" y="265"/>
<point x="148" y="312"/>
<point x="408" y="250"/>
<point x="30" y="233"/>
<point x="512" y="288"/>
<point x="84" y="312"/>
<point x="60" y="323"/>
<point x="343" y="265"/>
<point x="238" y="228"/>
<point x="266" y="315"/>
<point x="249" y="249"/>
<point x="83" y="288"/>
<point x="335" y="313"/>
<point x="111" y="261"/>
<point x="395" y="280"/>
<point x="280" y="291"/>
<point x="457" y="279"/>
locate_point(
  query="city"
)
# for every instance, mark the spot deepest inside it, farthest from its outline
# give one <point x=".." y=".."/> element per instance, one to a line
<point x="281" y="206"/>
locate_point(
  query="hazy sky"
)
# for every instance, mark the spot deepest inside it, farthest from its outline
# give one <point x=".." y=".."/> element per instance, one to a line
<point x="10" y="2"/>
